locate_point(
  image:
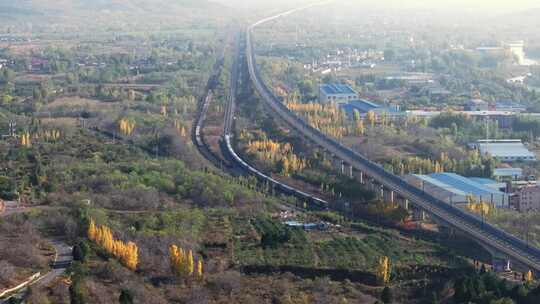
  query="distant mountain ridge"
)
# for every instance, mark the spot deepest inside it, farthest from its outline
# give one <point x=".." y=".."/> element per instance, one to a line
<point x="105" y="11"/>
<point x="52" y="6"/>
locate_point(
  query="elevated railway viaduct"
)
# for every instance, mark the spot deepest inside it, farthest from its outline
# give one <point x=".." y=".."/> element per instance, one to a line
<point x="499" y="243"/>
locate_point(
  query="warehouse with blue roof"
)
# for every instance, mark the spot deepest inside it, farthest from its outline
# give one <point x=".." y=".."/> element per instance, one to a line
<point x="338" y="93"/>
<point x="454" y="189"/>
<point x="364" y="106"/>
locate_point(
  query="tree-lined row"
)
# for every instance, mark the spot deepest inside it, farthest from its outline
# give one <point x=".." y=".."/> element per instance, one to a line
<point x="126" y="253"/>
<point x="277" y="155"/>
<point x="183" y="263"/>
<point x="474" y="164"/>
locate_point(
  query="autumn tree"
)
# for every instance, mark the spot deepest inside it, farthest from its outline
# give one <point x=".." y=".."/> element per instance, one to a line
<point x="183" y="263"/>
<point x="277" y="154"/>
<point x="383" y="270"/>
<point x="126" y="126"/>
<point x="126" y="253"/>
<point x="371" y="118"/>
<point x="25" y="140"/>
<point x="164" y="111"/>
<point x="200" y="269"/>
<point x="528" y="276"/>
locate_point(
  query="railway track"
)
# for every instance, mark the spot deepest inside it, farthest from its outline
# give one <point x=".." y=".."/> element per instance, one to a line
<point x="228" y="147"/>
<point x="484" y="233"/>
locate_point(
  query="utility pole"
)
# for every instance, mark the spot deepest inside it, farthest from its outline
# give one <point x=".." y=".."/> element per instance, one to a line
<point x="157" y="145"/>
<point x="12" y="128"/>
<point x="487" y="128"/>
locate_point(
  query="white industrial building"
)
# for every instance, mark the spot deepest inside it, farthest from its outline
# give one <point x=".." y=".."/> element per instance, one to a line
<point x="505" y="150"/>
<point x="454" y="189"/>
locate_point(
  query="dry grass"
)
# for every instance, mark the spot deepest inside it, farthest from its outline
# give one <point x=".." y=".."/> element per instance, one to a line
<point x="60" y="122"/>
<point x="77" y="102"/>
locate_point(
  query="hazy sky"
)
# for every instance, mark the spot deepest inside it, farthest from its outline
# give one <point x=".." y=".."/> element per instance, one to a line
<point x="465" y="4"/>
<point x="490" y="6"/>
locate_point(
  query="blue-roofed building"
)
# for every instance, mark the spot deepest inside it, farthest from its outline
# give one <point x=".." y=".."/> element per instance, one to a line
<point x="438" y="189"/>
<point x="338" y="93"/>
<point x="511" y="106"/>
<point x="488" y="182"/>
<point x="454" y="188"/>
<point x="364" y="106"/>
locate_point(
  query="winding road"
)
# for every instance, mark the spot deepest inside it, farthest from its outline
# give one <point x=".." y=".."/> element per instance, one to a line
<point x="59" y="265"/>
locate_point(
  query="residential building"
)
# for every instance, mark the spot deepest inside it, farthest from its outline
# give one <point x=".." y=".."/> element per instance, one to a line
<point x="338" y="93"/>
<point x="527" y="199"/>
<point x="506" y="150"/>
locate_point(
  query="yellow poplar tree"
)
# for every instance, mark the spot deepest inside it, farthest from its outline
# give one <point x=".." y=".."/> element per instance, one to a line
<point x="528" y="276"/>
<point x="383" y="269"/>
<point x="370" y="116"/>
<point x="190" y="263"/>
<point x="126" y="127"/>
<point x="200" y="269"/>
<point x="127" y="254"/>
<point x="92" y="230"/>
<point x="360" y="129"/>
<point x="176" y="258"/>
<point x="131" y="256"/>
<point x="25" y="140"/>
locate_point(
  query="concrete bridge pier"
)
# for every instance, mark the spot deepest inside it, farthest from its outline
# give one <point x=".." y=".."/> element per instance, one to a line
<point x="405" y="204"/>
<point x="401" y="201"/>
<point x="338" y="164"/>
<point x="446" y="230"/>
<point x="388" y="195"/>
<point x="370" y="184"/>
<point x="360" y="177"/>
<point x="501" y="264"/>
<point x="351" y="172"/>
<point x="418" y="214"/>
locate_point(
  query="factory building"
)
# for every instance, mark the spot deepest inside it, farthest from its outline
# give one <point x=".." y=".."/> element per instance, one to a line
<point x="508" y="174"/>
<point x="454" y="189"/>
<point x="506" y="150"/>
<point x="338" y="93"/>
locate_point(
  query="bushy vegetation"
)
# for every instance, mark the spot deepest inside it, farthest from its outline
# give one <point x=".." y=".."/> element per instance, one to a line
<point x="488" y="288"/>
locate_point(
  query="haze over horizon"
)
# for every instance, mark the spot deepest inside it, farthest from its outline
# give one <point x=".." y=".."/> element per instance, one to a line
<point x="492" y="7"/>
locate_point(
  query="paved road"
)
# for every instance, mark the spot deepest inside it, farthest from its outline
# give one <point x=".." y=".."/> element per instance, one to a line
<point x="62" y="261"/>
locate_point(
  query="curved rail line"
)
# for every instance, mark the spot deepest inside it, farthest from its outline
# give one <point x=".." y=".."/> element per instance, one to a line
<point x="314" y="201"/>
<point x="472" y="225"/>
